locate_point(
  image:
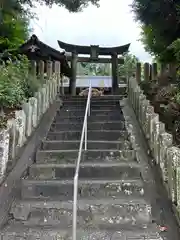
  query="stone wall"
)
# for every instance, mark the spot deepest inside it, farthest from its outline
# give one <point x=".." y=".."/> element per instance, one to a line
<point x="20" y="128"/>
<point x="165" y="155"/>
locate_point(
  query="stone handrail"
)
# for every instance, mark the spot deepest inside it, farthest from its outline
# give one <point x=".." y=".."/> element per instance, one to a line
<point x="160" y="142"/>
<point x="20" y="128"/>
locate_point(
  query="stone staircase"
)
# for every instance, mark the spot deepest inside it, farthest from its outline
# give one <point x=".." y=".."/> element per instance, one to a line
<point x="112" y="200"/>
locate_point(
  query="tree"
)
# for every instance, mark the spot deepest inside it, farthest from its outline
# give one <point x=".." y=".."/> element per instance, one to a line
<point x="14" y="18"/>
<point x="160" y="25"/>
<point x="14" y="31"/>
<point x="97" y="69"/>
<point x="71" y="5"/>
<point x="124" y="70"/>
<point x="14" y="25"/>
<point x="129" y="67"/>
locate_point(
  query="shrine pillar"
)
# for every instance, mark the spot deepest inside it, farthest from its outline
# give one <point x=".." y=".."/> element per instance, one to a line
<point x="150" y="72"/>
<point x="72" y="84"/>
<point x="114" y="60"/>
<point x="146" y="72"/>
<point x="138" y="72"/>
<point x="154" y="71"/>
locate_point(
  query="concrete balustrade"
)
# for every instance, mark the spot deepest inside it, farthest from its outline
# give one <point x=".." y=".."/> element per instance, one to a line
<point x="20" y="128"/>
<point x="165" y="154"/>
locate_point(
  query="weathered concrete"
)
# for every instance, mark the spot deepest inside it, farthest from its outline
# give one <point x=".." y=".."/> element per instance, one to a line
<point x="100" y="117"/>
<point x="103" y="215"/>
<point x="10" y="189"/>
<point x="91" y="189"/>
<point x="115" y="194"/>
<point x="80" y="112"/>
<point x="114" y="125"/>
<point x="121" y="170"/>
<point x="97" y="144"/>
<point x="105" y="98"/>
<point x="70" y="156"/>
<point x="155" y="191"/>
<point x="92" y="135"/>
<point x="90" y="234"/>
<point x="95" y="107"/>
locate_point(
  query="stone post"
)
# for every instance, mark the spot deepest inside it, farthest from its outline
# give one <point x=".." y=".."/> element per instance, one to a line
<point x="41" y="70"/>
<point x="114" y="59"/>
<point x="72" y="84"/>
<point x="61" y="85"/>
<point x="49" y="69"/>
<point x="138" y="72"/>
<point x="172" y="70"/>
<point x="33" y="69"/>
<point x="58" y="76"/>
<point x="163" y="68"/>
<point x="150" y="72"/>
<point x="146" y="71"/>
<point x="49" y="78"/>
<point x="154" y="71"/>
<point x="53" y="67"/>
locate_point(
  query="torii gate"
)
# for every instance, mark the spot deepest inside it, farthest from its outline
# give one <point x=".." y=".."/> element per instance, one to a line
<point x="94" y="51"/>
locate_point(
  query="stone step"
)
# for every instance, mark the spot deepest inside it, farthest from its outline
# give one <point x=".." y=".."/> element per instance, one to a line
<point x="69" y="144"/>
<point x="98" y="170"/>
<point x="102" y="213"/>
<point x="94" y="98"/>
<point x="91" y="189"/>
<point x="19" y="231"/>
<point x="113" y="125"/>
<point x="92" y="118"/>
<point x="93" y="103"/>
<point x="80" y="112"/>
<point x="92" y="107"/>
<point x="92" y="135"/>
<point x="70" y="156"/>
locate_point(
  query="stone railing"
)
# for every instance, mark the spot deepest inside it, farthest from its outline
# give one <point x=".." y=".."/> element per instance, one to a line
<point x="20" y="128"/>
<point x="166" y="156"/>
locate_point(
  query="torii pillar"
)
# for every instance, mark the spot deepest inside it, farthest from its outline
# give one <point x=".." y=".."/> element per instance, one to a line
<point x="72" y="84"/>
<point x="114" y="60"/>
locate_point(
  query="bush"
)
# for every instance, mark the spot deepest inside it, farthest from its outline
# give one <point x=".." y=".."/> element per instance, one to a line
<point x="16" y="84"/>
<point x="29" y="84"/>
<point x="11" y="92"/>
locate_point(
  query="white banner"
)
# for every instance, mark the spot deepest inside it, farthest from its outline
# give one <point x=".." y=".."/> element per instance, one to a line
<point x="96" y="81"/>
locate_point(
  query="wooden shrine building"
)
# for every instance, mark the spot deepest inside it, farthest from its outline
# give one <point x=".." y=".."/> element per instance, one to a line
<point x="36" y="50"/>
<point x="94" y="51"/>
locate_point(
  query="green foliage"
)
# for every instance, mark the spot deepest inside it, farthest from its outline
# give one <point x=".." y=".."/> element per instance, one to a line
<point x="155" y="44"/>
<point x="175" y="47"/>
<point x="124" y="70"/>
<point x="13" y="32"/>
<point x="129" y="66"/>
<point x="16" y="85"/>
<point x="15" y="15"/>
<point x="29" y="83"/>
<point x="71" y="5"/>
<point x="177" y="98"/>
<point x="14" y="25"/>
<point x="151" y="40"/>
<point x="97" y="69"/>
<point x="160" y="25"/>
<point x="11" y="93"/>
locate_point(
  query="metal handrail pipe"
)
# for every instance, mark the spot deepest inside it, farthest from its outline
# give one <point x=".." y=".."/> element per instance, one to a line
<point x="76" y="176"/>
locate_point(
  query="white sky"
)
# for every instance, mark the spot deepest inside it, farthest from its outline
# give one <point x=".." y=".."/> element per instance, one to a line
<point x="109" y="25"/>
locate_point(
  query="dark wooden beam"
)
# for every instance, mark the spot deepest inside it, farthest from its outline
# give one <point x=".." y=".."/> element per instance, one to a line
<point x="100" y="60"/>
<point x="82" y="49"/>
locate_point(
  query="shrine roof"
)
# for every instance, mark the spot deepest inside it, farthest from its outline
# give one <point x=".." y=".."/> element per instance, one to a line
<point x="37" y="50"/>
<point x="34" y="45"/>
